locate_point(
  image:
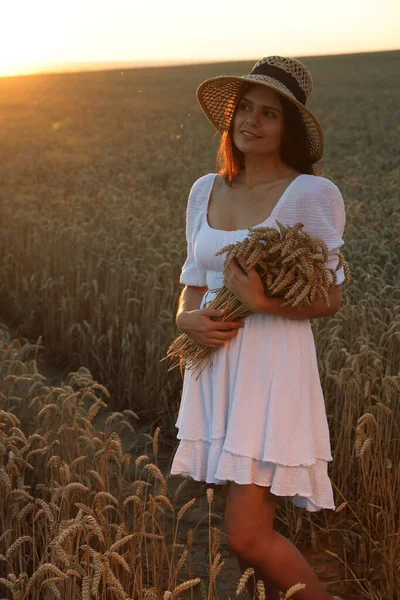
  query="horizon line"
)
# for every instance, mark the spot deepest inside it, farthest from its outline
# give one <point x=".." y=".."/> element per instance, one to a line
<point x="60" y="68"/>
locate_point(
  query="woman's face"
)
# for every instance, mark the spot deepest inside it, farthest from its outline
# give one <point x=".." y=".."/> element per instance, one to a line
<point x="259" y="112"/>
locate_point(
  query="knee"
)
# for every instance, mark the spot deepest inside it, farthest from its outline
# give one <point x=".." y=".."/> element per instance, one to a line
<point x="237" y="544"/>
<point x="250" y="549"/>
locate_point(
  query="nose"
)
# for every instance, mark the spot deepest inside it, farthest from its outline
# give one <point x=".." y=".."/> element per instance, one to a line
<point x="252" y="119"/>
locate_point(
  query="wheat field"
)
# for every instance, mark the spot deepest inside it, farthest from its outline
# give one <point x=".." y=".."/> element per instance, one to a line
<point x="94" y="176"/>
<point x="80" y="517"/>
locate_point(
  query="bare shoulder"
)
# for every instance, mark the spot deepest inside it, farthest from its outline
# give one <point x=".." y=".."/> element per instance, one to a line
<point x="219" y="189"/>
<point x="219" y="183"/>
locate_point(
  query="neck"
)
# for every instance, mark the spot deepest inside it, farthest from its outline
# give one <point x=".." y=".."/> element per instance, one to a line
<point x="259" y="169"/>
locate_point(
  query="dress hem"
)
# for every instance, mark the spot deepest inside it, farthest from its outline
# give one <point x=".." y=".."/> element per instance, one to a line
<point x="308" y="504"/>
<point x="306" y="463"/>
<point x="309" y="486"/>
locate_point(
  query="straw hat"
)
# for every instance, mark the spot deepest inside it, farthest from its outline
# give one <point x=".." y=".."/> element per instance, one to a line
<point x="218" y="96"/>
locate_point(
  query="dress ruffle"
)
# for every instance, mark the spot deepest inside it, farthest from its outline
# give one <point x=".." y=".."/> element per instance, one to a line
<point x="308" y="485"/>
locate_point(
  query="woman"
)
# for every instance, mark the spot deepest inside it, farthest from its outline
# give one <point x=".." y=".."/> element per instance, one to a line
<point x="254" y="420"/>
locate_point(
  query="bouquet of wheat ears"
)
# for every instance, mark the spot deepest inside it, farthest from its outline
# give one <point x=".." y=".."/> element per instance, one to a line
<point x="290" y="263"/>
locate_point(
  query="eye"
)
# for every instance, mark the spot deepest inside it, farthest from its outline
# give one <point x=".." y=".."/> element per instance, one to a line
<point x="244" y="106"/>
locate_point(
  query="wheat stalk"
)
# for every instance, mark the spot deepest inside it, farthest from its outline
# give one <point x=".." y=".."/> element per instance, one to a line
<point x="243" y="580"/>
<point x="184" y="586"/>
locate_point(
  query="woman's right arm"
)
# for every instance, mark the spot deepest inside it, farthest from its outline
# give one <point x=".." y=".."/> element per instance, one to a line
<point x="190" y="299"/>
<point x="198" y="324"/>
<point x="190" y="319"/>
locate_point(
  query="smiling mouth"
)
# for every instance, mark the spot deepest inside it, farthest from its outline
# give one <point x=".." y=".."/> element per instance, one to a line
<point x="249" y="135"/>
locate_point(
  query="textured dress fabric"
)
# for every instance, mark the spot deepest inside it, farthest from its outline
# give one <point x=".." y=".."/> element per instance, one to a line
<point x="256" y="413"/>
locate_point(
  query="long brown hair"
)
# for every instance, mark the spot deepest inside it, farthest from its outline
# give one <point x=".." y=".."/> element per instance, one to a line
<point x="294" y="147"/>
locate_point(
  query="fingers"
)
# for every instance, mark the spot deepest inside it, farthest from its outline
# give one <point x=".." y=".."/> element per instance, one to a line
<point x="222" y="325"/>
<point x="240" y="262"/>
<point x="219" y="338"/>
<point x="223" y="335"/>
<point x="216" y="324"/>
<point x="217" y="332"/>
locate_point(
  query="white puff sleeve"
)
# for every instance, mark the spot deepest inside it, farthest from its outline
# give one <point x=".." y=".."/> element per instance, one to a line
<point x="325" y="217"/>
<point x="191" y="273"/>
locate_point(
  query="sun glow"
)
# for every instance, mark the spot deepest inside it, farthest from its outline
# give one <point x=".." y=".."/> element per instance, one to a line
<point x="9" y="68"/>
<point x="45" y="34"/>
<point x="22" y="44"/>
<point x="33" y="35"/>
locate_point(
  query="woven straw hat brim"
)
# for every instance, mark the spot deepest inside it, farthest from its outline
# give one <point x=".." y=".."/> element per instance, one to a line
<point x="218" y="96"/>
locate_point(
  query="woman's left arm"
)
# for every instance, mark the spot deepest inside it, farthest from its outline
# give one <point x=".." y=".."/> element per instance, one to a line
<point x="273" y="305"/>
<point x="248" y="288"/>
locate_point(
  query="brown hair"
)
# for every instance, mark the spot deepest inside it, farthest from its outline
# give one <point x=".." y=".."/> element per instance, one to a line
<point x="294" y="147"/>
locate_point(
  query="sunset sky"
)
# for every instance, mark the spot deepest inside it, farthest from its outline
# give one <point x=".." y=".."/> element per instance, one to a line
<point x="46" y="35"/>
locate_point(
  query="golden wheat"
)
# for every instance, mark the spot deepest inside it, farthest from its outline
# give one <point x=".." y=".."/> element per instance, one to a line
<point x="293" y="590"/>
<point x="243" y="580"/>
<point x="216" y="567"/>
<point x="185" y="586"/>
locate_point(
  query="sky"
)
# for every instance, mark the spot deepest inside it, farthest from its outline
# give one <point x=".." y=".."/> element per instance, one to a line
<point x="49" y="35"/>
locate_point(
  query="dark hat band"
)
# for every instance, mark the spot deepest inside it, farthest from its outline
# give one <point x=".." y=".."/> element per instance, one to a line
<point x="284" y="77"/>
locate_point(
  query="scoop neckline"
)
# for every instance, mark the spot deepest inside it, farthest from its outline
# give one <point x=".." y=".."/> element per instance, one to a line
<point x="253" y="226"/>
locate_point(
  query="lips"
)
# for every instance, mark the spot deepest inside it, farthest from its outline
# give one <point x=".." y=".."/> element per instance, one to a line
<point x="251" y="133"/>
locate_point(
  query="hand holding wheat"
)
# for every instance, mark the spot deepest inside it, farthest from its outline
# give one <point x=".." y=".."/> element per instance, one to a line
<point x="205" y="328"/>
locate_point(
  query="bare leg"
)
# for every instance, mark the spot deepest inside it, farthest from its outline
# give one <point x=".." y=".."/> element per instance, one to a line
<point x="272" y="592"/>
<point x="282" y="561"/>
<point x="249" y="517"/>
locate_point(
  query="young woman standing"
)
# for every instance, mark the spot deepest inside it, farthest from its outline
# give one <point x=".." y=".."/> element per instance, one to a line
<point x="254" y="421"/>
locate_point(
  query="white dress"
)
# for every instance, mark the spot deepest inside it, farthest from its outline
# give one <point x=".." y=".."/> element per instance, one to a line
<point x="257" y="414"/>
